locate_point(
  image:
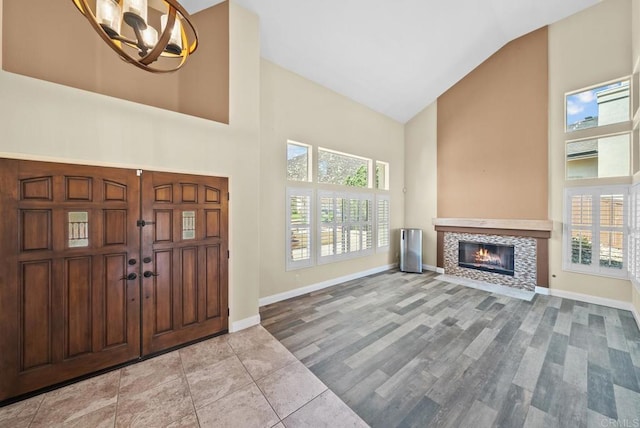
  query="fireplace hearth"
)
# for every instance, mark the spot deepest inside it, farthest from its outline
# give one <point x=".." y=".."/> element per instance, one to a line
<point x="486" y="257"/>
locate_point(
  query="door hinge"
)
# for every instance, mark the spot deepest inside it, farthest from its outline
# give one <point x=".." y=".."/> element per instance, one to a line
<point x="228" y="196"/>
<point x="228" y="254"/>
<point x="228" y="312"/>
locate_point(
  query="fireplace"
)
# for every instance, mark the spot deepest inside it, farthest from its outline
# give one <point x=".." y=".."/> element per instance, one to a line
<point x="527" y="241"/>
<point x="486" y="257"/>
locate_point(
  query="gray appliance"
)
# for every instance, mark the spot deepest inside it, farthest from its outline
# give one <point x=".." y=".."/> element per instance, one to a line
<point x="411" y="250"/>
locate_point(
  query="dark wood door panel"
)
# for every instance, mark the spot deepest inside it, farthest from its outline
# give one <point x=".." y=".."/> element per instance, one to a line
<point x="185" y="292"/>
<point x="78" y="304"/>
<point x="68" y="309"/>
<point x="36" y="314"/>
<point x="213" y="279"/>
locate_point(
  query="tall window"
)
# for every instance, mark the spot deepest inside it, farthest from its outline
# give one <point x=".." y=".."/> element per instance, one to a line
<point x="299" y="235"/>
<point x="298" y="161"/>
<point x="346" y="225"/>
<point x="594" y="235"/>
<point x="598" y="131"/>
<point x="382" y="175"/>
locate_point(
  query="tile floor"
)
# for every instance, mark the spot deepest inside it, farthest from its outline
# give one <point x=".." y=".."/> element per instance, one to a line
<point x="245" y="379"/>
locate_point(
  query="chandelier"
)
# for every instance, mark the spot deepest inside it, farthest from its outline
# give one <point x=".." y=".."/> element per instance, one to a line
<point x="130" y="28"/>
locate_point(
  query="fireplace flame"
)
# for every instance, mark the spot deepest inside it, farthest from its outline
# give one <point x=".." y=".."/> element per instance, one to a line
<point x="484" y="256"/>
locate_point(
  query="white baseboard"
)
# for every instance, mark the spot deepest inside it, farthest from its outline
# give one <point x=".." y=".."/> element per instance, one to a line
<point x="433" y="269"/>
<point x="542" y="290"/>
<point x="244" y="323"/>
<point x="617" y="304"/>
<point x="320" y="285"/>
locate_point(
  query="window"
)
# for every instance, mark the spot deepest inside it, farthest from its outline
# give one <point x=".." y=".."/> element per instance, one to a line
<point x="346" y="225"/>
<point x="382" y="175"/>
<point x="298" y="161"/>
<point x="349" y="223"/>
<point x="383" y="232"/>
<point x="598" y="106"/>
<point x="341" y="168"/>
<point x="594" y="235"/>
<point x="636" y="149"/>
<point x="599" y="157"/>
<point x="633" y="248"/>
<point x="299" y="236"/>
<point x="598" y="149"/>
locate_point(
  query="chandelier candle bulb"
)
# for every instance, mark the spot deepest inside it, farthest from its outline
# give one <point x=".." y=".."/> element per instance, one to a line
<point x="109" y="16"/>
<point x="135" y="9"/>
<point x="150" y="37"/>
<point x="175" y="41"/>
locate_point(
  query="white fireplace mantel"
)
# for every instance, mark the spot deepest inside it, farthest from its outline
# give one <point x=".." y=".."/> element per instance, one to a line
<point x="486" y="223"/>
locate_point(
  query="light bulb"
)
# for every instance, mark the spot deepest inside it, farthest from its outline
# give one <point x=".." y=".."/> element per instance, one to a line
<point x="175" y="40"/>
<point x="150" y="37"/>
<point x="135" y="9"/>
<point x="109" y="16"/>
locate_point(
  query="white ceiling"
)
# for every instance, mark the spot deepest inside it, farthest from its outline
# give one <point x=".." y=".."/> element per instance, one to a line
<point x="396" y="57"/>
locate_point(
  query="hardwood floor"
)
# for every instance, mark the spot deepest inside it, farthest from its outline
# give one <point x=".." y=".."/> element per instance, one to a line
<point x="408" y="350"/>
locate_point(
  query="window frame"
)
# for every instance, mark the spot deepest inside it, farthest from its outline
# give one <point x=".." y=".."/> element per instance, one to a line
<point x="600" y="131"/>
<point x="598" y="137"/>
<point x="594" y="129"/>
<point x="633" y="236"/>
<point x="370" y="165"/>
<point x="594" y="268"/>
<point x="292" y="264"/>
<point x="309" y="161"/>
<point x="385" y="179"/>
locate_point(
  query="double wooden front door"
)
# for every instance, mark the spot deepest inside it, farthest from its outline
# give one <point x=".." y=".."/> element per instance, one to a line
<point x="100" y="266"/>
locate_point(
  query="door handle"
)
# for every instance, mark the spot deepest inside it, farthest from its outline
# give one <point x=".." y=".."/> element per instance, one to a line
<point x="130" y="277"/>
<point x="148" y="274"/>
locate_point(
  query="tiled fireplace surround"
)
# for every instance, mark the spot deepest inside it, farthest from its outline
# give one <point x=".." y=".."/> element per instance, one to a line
<point x="530" y="239"/>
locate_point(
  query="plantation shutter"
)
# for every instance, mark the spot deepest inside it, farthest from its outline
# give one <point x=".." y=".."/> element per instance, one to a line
<point x="299" y="234"/>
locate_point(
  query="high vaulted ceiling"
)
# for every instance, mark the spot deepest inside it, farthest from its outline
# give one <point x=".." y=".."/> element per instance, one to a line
<point x="394" y="56"/>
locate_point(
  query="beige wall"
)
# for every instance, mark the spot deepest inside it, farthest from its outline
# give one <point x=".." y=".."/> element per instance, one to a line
<point x="587" y="48"/>
<point x="635" y="60"/>
<point x="62" y="47"/>
<point x="421" y="178"/>
<point x="297" y="109"/>
<point x="492" y="136"/>
<point x="42" y="120"/>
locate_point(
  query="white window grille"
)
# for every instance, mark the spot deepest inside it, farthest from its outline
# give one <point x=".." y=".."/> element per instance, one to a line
<point x="299" y="234"/>
<point x="383" y="222"/>
<point x="595" y="231"/>
<point x="345" y="225"/>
